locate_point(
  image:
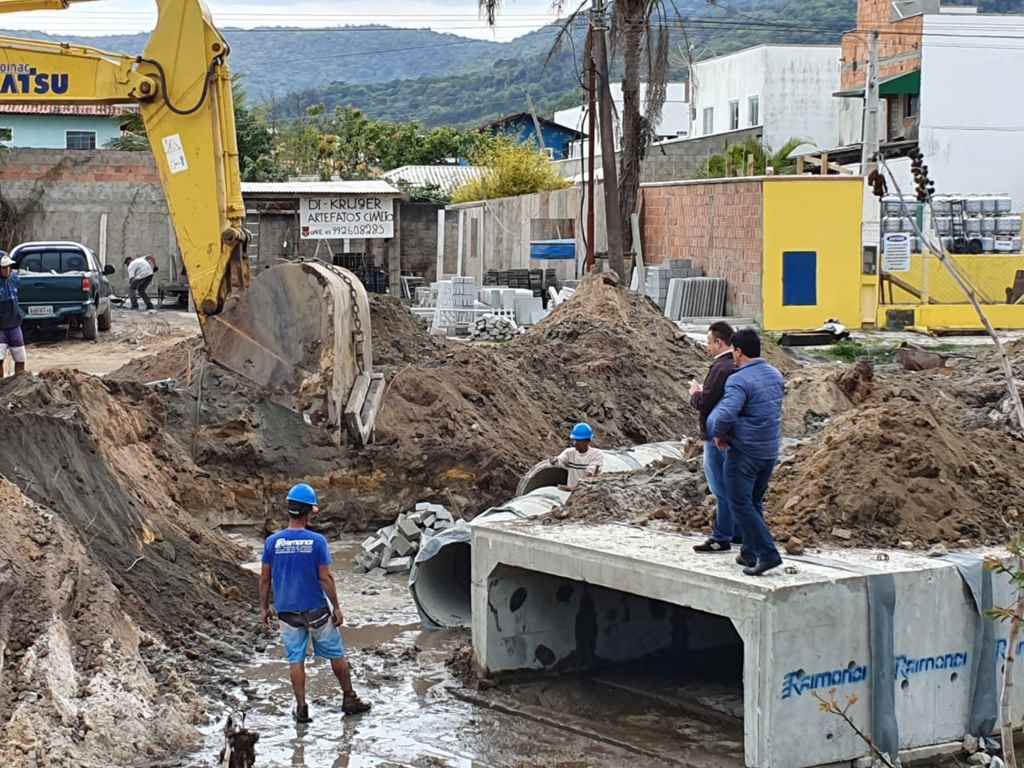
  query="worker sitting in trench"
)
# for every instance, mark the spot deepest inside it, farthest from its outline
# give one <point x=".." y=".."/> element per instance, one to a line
<point x="298" y="564"/>
<point x="581" y="459"/>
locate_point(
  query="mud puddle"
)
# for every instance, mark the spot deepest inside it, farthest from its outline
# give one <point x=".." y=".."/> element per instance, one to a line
<point x="423" y="718"/>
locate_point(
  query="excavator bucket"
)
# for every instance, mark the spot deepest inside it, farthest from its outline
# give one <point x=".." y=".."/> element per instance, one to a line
<point x="302" y="331"/>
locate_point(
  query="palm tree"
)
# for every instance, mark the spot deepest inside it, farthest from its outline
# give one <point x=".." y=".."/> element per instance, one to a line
<point x="632" y="29"/>
<point x="752" y="157"/>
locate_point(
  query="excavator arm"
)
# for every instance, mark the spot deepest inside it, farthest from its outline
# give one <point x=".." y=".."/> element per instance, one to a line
<point x="302" y="331"/>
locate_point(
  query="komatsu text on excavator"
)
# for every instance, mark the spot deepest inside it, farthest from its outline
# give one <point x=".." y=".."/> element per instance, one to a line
<point x="300" y="330"/>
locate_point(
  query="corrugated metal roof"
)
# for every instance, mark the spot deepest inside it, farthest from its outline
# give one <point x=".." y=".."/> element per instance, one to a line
<point x="446" y="177"/>
<point x="78" y="110"/>
<point x="371" y="187"/>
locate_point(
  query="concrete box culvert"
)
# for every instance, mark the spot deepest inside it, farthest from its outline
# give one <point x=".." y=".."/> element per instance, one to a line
<point x="440" y="577"/>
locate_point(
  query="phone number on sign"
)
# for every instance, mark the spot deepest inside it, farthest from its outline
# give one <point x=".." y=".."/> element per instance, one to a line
<point x="352" y="230"/>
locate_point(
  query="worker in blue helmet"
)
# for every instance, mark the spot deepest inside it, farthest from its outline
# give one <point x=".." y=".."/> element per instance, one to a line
<point x="581" y="459"/>
<point x="297" y="563"/>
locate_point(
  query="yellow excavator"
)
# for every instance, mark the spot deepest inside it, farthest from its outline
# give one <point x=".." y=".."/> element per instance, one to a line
<point x="301" y="331"/>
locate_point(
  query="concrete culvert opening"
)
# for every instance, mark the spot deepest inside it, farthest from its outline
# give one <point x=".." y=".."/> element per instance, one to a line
<point x="678" y="656"/>
<point x="542" y="476"/>
<point x="442" y="586"/>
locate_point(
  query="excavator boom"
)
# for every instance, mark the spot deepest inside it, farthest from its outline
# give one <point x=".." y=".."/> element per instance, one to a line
<point x="302" y="331"/>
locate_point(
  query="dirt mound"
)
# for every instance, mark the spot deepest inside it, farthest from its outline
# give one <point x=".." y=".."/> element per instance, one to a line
<point x="398" y="336"/>
<point x="900" y="471"/>
<point x="661" y="492"/>
<point x="117" y="552"/>
<point x="815" y="395"/>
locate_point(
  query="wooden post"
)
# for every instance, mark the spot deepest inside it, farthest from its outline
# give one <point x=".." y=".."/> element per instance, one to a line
<point x="395" y="255"/>
<point x="824" y="163"/>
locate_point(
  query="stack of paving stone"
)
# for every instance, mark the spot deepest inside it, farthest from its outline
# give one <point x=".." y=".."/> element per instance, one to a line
<point x="394" y="546"/>
<point x="493" y="328"/>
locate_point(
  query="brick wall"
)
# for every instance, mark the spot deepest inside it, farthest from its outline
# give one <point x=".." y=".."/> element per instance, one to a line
<point x="73" y="195"/>
<point x="899" y="49"/>
<point x="718" y="225"/>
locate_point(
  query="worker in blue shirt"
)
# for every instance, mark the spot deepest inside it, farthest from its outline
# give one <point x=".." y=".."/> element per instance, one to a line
<point x="11" y="337"/>
<point x="747" y="425"/>
<point x="297" y="563"/>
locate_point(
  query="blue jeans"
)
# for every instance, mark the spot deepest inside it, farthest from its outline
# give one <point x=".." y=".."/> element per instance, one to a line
<point x="746" y="480"/>
<point x="714" y="470"/>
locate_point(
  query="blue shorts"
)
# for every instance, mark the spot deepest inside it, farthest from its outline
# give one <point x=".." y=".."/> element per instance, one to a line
<point x="327" y="642"/>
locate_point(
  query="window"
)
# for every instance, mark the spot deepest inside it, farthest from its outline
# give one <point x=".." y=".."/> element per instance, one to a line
<point x="6" y="136"/>
<point x="799" y="278"/>
<point x="53" y="261"/>
<point x="754" y="110"/>
<point x="912" y="105"/>
<point x="81" y="139"/>
<point x="709" y="121"/>
<point x="734" y="115"/>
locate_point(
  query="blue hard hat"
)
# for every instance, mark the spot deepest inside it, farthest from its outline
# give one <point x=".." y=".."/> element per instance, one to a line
<point x="304" y="494"/>
<point x="581" y="431"/>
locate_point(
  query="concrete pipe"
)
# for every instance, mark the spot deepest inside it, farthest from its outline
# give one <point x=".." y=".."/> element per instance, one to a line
<point x="440" y="577"/>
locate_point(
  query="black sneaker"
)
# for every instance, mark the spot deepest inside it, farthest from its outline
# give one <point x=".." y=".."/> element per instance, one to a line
<point x="713" y="545"/>
<point x="745" y="561"/>
<point x="762" y="567"/>
<point x="301" y="714"/>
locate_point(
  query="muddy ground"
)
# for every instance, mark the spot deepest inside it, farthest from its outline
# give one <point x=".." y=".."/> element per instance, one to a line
<point x="116" y="495"/>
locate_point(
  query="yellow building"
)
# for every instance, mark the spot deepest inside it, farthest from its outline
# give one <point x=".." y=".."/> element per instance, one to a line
<point x="792" y="251"/>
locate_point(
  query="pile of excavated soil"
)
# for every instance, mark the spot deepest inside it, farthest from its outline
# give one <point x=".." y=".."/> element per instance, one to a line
<point x="900" y="471"/>
<point x="113" y="586"/>
<point x="815" y="395"/>
<point x="460" y="423"/>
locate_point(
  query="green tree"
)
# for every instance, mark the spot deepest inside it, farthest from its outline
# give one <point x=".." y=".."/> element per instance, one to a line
<point x="751" y="157"/>
<point x="512" y="169"/>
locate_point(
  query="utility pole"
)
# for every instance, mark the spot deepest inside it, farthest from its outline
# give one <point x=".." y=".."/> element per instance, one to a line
<point x="591" y="185"/>
<point x="612" y="215"/>
<point x="870" y="145"/>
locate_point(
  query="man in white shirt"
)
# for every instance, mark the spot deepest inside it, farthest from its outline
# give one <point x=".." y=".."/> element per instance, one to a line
<point x="582" y="459"/>
<point x="140" y="275"/>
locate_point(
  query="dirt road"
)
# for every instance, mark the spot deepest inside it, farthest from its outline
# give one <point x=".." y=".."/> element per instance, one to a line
<point x="132" y="335"/>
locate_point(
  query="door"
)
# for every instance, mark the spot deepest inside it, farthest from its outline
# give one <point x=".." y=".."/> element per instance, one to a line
<point x="799" y="278"/>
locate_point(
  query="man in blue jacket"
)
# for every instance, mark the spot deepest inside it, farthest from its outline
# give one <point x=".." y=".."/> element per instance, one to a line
<point x="11" y="337"/>
<point x="747" y="424"/>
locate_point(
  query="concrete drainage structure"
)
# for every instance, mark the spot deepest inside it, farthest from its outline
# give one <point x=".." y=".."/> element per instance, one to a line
<point x="440" y="578"/>
<point x="903" y="634"/>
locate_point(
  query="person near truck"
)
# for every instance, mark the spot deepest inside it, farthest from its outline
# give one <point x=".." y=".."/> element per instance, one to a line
<point x="581" y="459"/>
<point x="704" y="399"/>
<point x="297" y="565"/>
<point x="140" y="275"/>
<point x="11" y="337"/>
<point x="747" y="425"/>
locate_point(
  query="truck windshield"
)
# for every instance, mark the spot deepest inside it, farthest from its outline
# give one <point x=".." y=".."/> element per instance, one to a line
<point x="53" y="261"/>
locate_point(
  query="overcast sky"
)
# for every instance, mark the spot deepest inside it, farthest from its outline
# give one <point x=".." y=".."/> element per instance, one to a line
<point x="456" y="16"/>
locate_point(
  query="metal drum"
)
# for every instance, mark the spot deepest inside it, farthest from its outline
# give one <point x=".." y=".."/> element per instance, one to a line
<point x="943" y="225"/>
<point x="972" y="205"/>
<point x="1008" y="225"/>
<point x="1004" y="204"/>
<point x="940" y="205"/>
<point x="988" y="244"/>
<point x="988" y="225"/>
<point x="988" y="204"/>
<point x="973" y="227"/>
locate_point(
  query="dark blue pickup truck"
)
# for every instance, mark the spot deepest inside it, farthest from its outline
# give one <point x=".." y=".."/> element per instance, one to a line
<point x="63" y="284"/>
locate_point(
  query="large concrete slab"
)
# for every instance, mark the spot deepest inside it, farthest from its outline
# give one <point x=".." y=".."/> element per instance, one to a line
<point x="804" y="628"/>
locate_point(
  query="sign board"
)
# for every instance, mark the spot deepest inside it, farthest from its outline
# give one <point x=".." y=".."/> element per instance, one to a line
<point x="348" y="216"/>
<point x="896" y="252"/>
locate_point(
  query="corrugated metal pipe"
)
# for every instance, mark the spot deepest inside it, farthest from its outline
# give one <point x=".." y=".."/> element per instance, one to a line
<point x="440" y="578"/>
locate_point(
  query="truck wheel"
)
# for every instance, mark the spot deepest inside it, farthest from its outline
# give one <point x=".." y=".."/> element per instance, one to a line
<point x="90" y="327"/>
<point x="105" y="320"/>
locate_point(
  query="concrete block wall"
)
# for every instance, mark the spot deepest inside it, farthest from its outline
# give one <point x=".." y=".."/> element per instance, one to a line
<point x="718" y="225"/>
<point x="72" y="195"/>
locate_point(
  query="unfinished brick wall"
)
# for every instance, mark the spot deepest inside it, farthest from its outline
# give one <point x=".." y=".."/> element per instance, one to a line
<point x="899" y="48"/>
<point x="719" y="226"/>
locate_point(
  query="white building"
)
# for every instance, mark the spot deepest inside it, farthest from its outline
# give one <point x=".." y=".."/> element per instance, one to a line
<point x="785" y="89"/>
<point x="675" y="115"/>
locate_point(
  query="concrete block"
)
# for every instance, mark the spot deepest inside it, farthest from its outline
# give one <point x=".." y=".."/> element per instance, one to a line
<point x="373" y="545"/>
<point x="407" y="527"/>
<point x="429" y="520"/>
<point x="400" y="545"/>
<point x="386" y="554"/>
<point x="526" y="306"/>
<point x="398" y="565"/>
<point x="443" y="514"/>
<point x="417" y="516"/>
<point x="368" y="560"/>
<point x="441" y="525"/>
<point x="422" y="506"/>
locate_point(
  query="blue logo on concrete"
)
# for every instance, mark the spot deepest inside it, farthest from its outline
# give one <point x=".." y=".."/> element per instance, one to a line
<point x="22" y="79"/>
<point x="1002" y="644"/>
<point x="799" y="682"/>
<point x="907" y="666"/>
